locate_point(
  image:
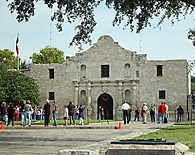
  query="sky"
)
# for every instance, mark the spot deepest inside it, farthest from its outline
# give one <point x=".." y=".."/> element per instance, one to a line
<point x="168" y="43"/>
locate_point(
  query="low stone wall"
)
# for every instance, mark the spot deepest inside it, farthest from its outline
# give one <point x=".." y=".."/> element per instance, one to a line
<point x="116" y="148"/>
<point x="138" y="147"/>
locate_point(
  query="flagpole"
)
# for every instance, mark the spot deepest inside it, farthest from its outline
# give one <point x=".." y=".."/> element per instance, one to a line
<point x="18" y="62"/>
<point x="18" y="55"/>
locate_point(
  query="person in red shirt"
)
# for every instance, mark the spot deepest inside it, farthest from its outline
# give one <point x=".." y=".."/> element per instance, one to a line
<point x="16" y="113"/>
<point x="161" y="112"/>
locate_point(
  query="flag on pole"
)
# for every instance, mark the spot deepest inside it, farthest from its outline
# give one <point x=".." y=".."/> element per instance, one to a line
<point x="17" y="48"/>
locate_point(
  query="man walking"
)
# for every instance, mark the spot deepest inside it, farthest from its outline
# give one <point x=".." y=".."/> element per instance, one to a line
<point x="27" y="114"/>
<point x="125" y="109"/>
<point x="46" y="108"/>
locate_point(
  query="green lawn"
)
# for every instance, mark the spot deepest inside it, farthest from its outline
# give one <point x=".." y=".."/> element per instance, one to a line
<point x="61" y="122"/>
<point x="183" y="134"/>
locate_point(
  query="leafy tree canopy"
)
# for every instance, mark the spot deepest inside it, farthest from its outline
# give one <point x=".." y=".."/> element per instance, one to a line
<point x="15" y="87"/>
<point x="191" y="35"/>
<point x="192" y="79"/>
<point x="7" y="57"/>
<point x="48" y="55"/>
<point x="24" y="65"/>
<point x="137" y="13"/>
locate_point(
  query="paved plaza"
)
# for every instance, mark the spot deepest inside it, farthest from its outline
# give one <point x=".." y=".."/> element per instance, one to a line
<point x="38" y="139"/>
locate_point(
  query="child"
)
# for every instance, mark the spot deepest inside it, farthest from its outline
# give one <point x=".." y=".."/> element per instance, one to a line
<point x="65" y="115"/>
<point x="81" y="115"/>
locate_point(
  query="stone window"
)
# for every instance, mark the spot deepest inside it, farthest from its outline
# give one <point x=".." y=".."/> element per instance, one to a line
<point x="104" y="71"/>
<point x="161" y="94"/>
<point x="127" y="70"/>
<point x="83" y="97"/>
<point x="137" y="74"/>
<point x="127" y="95"/>
<point x="83" y="72"/>
<point x="159" y="70"/>
<point x="51" y="95"/>
<point x="51" y="73"/>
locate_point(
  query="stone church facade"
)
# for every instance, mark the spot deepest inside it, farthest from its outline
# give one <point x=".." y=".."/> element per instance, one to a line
<point x="107" y="74"/>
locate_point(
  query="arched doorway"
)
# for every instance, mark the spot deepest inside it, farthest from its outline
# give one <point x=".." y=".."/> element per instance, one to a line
<point x="105" y="101"/>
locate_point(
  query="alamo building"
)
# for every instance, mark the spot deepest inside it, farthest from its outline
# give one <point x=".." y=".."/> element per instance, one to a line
<point x="107" y="74"/>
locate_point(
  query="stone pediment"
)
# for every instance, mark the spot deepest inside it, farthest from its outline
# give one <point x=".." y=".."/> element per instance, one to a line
<point x="106" y="44"/>
<point x="105" y="47"/>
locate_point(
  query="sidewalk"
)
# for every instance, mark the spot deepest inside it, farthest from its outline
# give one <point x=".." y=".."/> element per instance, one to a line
<point x="40" y="140"/>
<point x="104" y="125"/>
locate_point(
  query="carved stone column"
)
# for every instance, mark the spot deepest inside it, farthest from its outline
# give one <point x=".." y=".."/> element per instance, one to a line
<point x="76" y="93"/>
<point x="120" y="100"/>
<point x="89" y="100"/>
<point x="120" y="94"/>
<point x="134" y="94"/>
<point x="89" y="94"/>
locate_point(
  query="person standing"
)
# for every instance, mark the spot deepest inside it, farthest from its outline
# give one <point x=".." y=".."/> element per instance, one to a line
<point x="102" y="113"/>
<point x="137" y="113"/>
<point x="55" y="113"/>
<point x="152" y="113"/>
<point x="145" y="112"/>
<point x="65" y="115"/>
<point x="76" y="116"/>
<point x="47" y="108"/>
<point x="180" y="113"/>
<point x="161" y="112"/>
<point x="10" y="112"/>
<point x="166" y="113"/>
<point x="28" y="109"/>
<point x="81" y="115"/>
<point x="3" y="112"/>
<point x="71" y="108"/>
<point x="22" y="112"/>
<point x="125" y="109"/>
<point x="16" y="113"/>
<point x="130" y="110"/>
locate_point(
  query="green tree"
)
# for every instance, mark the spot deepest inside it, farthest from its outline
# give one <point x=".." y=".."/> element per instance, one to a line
<point x="192" y="79"/>
<point x="24" y="65"/>
<point x="15" y="87"/>
<point x="137" y="13"/>
<point x="191" y="35"/>
<point x="48" y="55"/>
<point x="192" y="83"/>
<point x="7" y="57"/>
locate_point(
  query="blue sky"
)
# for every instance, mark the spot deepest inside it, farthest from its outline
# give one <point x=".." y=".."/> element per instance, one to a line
<point x="168" y="43"/>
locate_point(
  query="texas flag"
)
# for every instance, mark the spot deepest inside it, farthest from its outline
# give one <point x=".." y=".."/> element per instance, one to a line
<point x="17" y="48"/>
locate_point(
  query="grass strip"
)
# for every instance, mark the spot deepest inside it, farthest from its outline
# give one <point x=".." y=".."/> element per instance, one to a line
<point x="183" y="134"/>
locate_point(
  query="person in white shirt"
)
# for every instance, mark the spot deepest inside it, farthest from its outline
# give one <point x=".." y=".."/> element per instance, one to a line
<point x="65" y="115"/>
<point x="145" y="112"/>
<point x="125" y="109"/>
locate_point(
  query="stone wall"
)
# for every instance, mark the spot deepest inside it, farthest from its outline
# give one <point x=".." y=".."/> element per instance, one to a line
<point x="131" y="77"/>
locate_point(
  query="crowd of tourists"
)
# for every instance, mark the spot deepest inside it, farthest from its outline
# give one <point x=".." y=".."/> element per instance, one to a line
<point x="71" y="112"/>
<point x="159" y="114"/>
<point x="25" y="113"/>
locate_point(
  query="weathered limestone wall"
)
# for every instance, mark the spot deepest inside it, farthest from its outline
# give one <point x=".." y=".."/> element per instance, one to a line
<point x="174" y="81"/>
<point x="61" y="84"/>
<point x="131" y="77"/>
